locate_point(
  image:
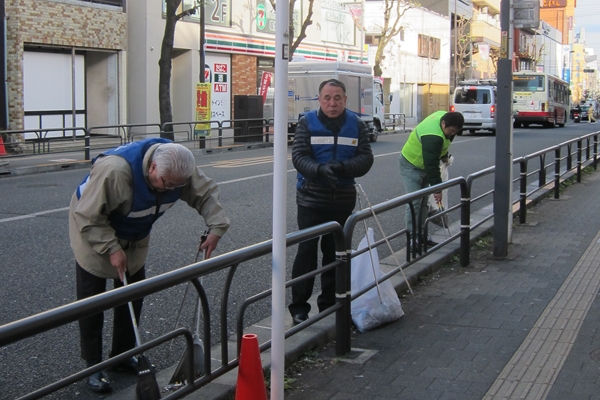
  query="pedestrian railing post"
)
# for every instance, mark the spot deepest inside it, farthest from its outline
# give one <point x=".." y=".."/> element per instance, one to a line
<point x="220" y="125"/>
<point x="86" y="150"/>
<point x="579" y="161"/>
<point x="569" y="157"/>
<point x="523" y="192"/>
<point x="465" y="224"/>
<point x="343" y="289"/>
<point x="595" y="152"/>
<point x="542" y="171"/>
<point x="557" y="173"/>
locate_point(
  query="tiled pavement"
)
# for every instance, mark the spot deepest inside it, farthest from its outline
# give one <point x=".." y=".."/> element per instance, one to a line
<point x="526" y="327"/>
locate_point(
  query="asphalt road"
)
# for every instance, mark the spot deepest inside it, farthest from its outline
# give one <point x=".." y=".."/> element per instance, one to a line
<point x="38" y="266"/>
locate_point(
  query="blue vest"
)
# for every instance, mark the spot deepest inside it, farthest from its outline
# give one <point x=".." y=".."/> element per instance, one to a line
<point x="148" y="205"/>
<point x="326" y="146"/>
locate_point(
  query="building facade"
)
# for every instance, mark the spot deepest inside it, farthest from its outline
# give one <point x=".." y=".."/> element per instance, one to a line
<point x="416" y="63"/>
<point x="65" y="58"/>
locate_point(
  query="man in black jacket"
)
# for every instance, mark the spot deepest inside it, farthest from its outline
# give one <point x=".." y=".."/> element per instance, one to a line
<point x="331" y="148"/>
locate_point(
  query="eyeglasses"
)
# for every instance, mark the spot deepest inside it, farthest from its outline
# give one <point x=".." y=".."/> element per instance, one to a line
<point x="170" y="187"/>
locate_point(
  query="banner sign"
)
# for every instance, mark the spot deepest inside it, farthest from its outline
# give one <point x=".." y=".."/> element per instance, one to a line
<point x="265" y="82"/>
<point x="202" y="109"/>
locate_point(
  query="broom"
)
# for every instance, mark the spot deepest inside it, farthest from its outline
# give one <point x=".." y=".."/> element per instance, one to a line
<point x="147" y="387"/>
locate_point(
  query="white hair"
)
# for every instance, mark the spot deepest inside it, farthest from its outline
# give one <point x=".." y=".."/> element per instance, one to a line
<point x="174" y="160"/>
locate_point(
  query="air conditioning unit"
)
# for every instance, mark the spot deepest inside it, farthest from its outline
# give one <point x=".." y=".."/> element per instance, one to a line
<point x="484" y="10"/>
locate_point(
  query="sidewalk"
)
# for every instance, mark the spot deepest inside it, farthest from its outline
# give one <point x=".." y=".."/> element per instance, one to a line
<point x="521" y="328"/>
<point x="524" y="327"/>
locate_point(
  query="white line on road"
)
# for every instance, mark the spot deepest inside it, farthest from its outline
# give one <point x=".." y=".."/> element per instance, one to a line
<point x="33" y="214"/>
<point x="220" y="183"/>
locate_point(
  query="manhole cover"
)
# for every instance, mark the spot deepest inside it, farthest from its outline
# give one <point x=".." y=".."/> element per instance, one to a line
<point x="595" y="355"/>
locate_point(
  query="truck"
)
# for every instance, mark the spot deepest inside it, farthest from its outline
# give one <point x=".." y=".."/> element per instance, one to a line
<point x="364" y="92"/>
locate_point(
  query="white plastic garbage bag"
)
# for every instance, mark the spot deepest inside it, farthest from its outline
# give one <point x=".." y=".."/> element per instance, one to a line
<point x="372" y="309"/>
<point x="433" y="207"/>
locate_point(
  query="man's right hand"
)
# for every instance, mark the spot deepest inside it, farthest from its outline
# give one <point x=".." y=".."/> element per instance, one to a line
<point x="437" y="197"/>
<point x="118" y="259"/>
<point x="326" y="170"/>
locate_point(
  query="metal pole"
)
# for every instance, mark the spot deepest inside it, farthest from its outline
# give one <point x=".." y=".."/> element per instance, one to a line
<point x="4" y="71"/>
<point x="279" y="200"/>
<point x="73" y="91"/>
<point x="202" y="141"/>
<point x="455" y="76"/>
<point x="504" y="138"/>
<point x="362" y="29"/>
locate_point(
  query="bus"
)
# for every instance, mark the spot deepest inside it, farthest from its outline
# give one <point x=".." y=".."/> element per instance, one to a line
<point x="539" y="98"/>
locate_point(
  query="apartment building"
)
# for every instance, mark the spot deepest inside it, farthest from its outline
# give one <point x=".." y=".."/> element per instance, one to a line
<point x="485" y="35"/>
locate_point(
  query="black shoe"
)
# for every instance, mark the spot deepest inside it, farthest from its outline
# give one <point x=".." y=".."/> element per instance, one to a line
<point x="129" y="366"/>
<point x="430" y="242"/>
<point x="99" y="382"/>
<point x="299" y="318"/>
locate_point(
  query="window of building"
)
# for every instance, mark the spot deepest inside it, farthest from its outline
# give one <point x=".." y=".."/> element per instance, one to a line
<point x="429" y="47"/>
<point x="406" y="99"/>
<point x="372" y="39"/>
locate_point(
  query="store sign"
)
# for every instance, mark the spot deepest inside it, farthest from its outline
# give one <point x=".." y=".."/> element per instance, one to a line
<point x="219" y="71"/>
<point x="554" y="3"/>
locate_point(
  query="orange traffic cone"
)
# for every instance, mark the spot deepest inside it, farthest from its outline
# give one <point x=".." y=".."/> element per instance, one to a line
<point x="2" y="149"/>
<point x="251" y="381"/>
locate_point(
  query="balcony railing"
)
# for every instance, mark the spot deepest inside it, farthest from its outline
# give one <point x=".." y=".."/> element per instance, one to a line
<point x="493" y="5"/>
<point x="485" y="31"/>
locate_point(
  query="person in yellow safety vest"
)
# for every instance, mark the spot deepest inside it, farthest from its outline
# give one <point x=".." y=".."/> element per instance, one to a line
<point x="420" y="159"/>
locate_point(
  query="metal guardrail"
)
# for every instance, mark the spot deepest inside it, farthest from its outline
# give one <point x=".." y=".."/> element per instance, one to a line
<point x="248" y="130"/>
<point x="228" y="133"/>
<point x="44" y="138"/>
<point x="395" y="119"/>
<point x="585" y="154"/>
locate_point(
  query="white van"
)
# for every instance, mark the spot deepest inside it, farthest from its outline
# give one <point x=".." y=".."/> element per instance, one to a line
<point x="476" y="101"/>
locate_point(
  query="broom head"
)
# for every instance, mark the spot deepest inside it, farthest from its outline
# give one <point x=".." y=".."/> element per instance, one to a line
<point x="147" y="387"/>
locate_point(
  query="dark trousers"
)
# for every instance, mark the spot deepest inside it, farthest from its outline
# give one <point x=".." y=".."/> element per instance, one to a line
<point x="90" y="327"/>
<point x="307" y="259"/>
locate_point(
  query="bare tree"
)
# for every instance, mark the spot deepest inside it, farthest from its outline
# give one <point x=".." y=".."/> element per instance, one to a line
<point x="165" y="63"/>
<point x="463" y="47"/>
<point x="393" y="10"/>
<point x="494" y="56"/>
<point x="305" y="24"/>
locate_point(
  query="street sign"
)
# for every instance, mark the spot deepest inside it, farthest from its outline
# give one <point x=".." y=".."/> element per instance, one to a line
<point x="526" y="14"/>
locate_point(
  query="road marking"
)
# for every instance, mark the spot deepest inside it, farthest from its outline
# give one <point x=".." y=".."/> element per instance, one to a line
<point x="34" y="214"/>
<point x="533" y="368"/>
<point x="220" y="164"/>
<point x="242" y="162"/>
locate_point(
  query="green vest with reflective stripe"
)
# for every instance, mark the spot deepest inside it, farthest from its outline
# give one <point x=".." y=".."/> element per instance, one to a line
<point x="413" y="150"/>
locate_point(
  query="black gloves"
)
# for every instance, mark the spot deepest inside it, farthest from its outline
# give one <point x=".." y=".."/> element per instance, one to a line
<point x="330" y="170"/>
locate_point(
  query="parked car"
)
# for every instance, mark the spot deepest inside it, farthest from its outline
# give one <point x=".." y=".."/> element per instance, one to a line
<point x="476" y="101"/>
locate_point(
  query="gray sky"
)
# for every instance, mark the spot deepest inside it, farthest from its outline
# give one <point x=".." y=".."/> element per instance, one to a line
<point x="587" y="14"/>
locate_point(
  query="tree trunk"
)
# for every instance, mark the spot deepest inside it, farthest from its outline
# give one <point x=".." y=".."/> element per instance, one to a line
<point x="164" y="65"/>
